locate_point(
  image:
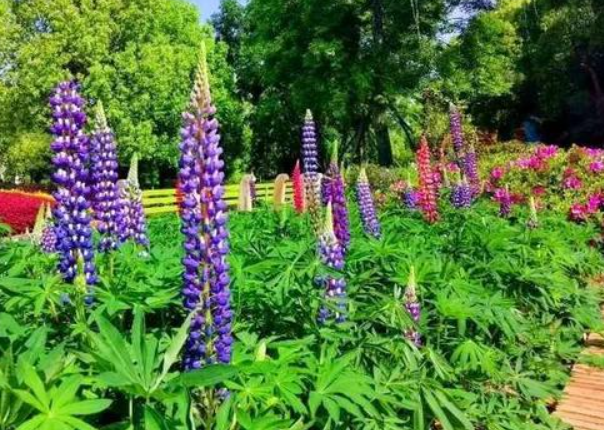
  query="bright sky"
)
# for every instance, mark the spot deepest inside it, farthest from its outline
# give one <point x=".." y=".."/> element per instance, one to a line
<point x="207" y="7"/>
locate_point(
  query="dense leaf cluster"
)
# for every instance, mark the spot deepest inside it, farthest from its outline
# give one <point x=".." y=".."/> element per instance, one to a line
<point x="504" y="310"/>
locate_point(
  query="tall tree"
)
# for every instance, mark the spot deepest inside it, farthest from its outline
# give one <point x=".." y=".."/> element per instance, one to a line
<point x="345" y="60"/>
<point x="138" y="56"/>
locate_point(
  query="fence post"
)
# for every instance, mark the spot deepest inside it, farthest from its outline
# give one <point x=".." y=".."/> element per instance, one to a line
<point x="279" y="192"/>
<point x="245" y="202"/>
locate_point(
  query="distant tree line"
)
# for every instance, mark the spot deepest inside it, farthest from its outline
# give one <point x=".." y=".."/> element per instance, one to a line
<point x="375" y="73"/>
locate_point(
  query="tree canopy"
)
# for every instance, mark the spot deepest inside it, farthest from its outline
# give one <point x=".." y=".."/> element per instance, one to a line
<point x="137" y="56"/>
<point x="375" y="73"/>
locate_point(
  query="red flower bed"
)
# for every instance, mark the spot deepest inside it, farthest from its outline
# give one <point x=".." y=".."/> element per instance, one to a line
<point x="19" y="209"/>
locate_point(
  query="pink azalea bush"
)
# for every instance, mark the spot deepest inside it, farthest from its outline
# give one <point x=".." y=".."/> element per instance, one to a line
<point x="570" y="180"/>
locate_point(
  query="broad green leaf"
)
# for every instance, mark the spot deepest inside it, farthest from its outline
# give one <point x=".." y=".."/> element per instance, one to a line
<point x="86" y="407"/>
<point x="208" y="376"/>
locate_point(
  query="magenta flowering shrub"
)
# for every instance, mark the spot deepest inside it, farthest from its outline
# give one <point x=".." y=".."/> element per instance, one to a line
<point x="571" y="181"/>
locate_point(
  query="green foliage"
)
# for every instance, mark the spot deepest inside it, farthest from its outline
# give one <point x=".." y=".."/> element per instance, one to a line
<point x="503" y="313"/>
<point x="538" y="57"/>
<point x="138" y="57"/>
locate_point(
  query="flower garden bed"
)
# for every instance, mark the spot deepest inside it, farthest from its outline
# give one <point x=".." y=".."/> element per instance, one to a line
<point x="18" y="209"/>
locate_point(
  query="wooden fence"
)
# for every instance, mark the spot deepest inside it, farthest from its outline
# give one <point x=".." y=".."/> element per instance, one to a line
<point x="164" y="201"/>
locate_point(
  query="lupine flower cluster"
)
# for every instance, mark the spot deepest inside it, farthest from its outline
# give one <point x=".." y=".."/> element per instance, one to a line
<point x="310" y="161"/>
<point x="125" y="227"/>
<point x="331" y="253"/>
<point x="504" y="197"/>
<point x="298" y="185"/>
<point x="71" y="212"/>
<point x="427" y="186"/>
<point x="471" y="171"/>
<point x="48" y="240"/>
<point x="461" y="195"/>
<point x="336" y="195"/>
<point x="206" y="275"/>
<point x="371" y="225"/>
<point x="43" y="234"/>
<point x="456" y="134"/>
<point x="465" y="156"/>
<point x="104" y="177"/>
<point x="138" y="221"/>
<point x="411" y="198"/>
<point x="413" y="308"/>
<point x="406" y="193"/>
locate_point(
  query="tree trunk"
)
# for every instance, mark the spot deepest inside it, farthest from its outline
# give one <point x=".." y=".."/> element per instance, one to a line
<point x="384" y="147"/>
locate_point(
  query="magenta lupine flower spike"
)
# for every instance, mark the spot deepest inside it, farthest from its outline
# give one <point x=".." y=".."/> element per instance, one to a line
<point x="104" y="177"/>
<point x="503" y="196"/>
<point x="310" y="163"/>
<point x="71" y="149"/>
<point x="371" y="225"/>
<point x="332" y="256"/>
<point x="413" y="308"/>
<point x="203" y="213"/>
<point x="337" y="197"/>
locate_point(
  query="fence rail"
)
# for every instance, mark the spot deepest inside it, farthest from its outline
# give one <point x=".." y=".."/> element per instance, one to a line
<point x="165" y="201"/>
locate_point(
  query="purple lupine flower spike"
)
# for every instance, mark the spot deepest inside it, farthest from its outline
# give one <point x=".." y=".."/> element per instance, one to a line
<point x="203" y="213"/>
<point x="461" y="195"/>
<point x="410" y="197"/>
<point x="503" y="196"/>
<point x="310" y="163"/>
<point x="337" y="197"/>
<point x="48" y="240"/>
<point x="331" y="254"/>
<point x="71" y="149"/>
<point x="457" y="134"/>
<point x="104" y="176"/>
<point x="124" y="226"/>
<point x="470" y="168"/>
<point x="371" y="225"/>
<point x="137" y="212"/>
<point x="413" y="308"/>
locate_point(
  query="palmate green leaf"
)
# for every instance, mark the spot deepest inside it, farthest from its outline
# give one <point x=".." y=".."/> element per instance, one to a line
<point x="117" y="350"/>
<point x="33" y="381"/>
<point x="67" y="391"/>
<point x="453" y="410"/>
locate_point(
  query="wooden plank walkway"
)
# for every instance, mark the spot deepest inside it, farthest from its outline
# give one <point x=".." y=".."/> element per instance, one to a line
<point x="582" y="404"/>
